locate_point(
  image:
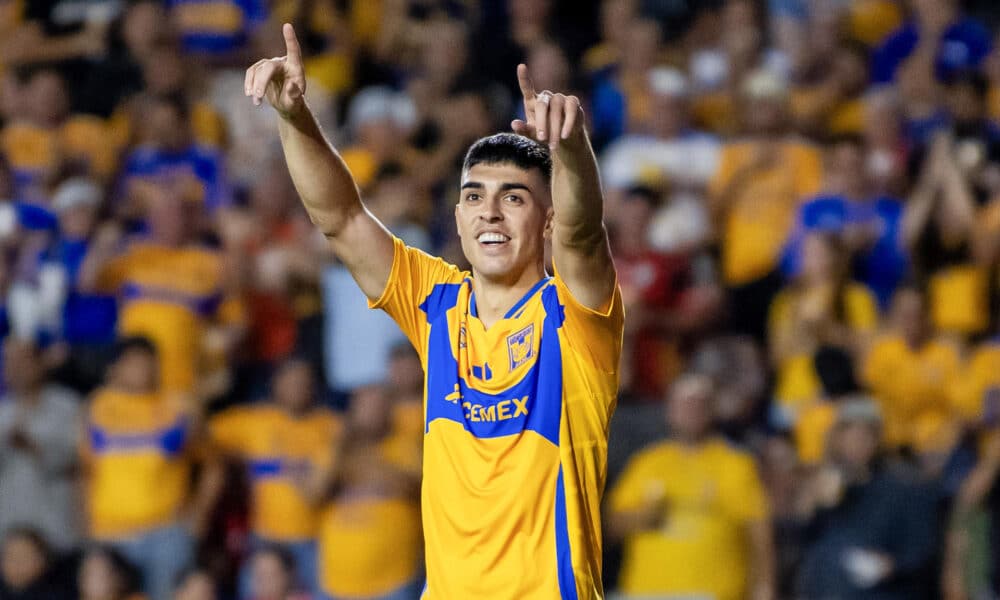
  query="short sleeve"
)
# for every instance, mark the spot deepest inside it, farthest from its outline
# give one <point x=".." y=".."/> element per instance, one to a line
<point x="632" y="490"/>
<point x="745" y="497"/>
<point x="594" y="334"/>
<point x="227" y="429"/>
<point x="413" y="277"/>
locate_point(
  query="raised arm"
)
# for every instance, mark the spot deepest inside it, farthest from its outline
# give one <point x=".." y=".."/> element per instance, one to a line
<point x="321" y="178"/>
<point x="580" y="247"/>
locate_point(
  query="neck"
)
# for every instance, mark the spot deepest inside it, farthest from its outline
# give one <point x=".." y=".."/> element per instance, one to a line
<point x="495" y="297"/>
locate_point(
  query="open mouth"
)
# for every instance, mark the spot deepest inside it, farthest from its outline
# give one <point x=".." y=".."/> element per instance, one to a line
<point x="492" y="238"/>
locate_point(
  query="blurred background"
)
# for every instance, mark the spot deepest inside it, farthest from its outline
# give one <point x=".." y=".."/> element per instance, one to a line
<point x="803" y="198"/>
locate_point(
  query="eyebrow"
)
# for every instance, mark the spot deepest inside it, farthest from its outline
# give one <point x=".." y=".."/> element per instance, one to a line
<point x="504" y="187"/>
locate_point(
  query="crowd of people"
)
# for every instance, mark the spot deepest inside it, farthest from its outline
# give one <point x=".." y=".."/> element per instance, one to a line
<point x="803" y="199"/>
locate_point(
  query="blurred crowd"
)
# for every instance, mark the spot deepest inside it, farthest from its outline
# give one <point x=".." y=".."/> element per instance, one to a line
<point x="803" y="198"/>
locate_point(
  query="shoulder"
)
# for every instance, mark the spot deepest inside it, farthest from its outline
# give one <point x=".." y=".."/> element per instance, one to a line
<point x="62" y="398"/>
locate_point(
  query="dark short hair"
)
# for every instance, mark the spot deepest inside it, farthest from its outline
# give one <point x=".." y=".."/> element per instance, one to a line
<point x="135" y="342"/>
<point x="510" y="149"/>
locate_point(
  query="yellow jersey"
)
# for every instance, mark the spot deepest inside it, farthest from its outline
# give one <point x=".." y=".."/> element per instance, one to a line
<point x="168" y="295"/>
<point x="710" y="493"/>
<point x="278" y="447"/>
<point x="138" y="451"/>
<point x="515" y="432"/>
<point x="911" y="384"/>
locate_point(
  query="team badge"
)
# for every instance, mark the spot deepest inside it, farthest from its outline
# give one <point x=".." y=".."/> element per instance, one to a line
<point x="519" y="346"/>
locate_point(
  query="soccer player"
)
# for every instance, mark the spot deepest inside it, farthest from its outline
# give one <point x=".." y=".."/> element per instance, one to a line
<point x="521" y="367"/>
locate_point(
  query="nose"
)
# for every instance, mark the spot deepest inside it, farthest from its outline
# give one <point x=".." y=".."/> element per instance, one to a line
<point x="491" y="211"/>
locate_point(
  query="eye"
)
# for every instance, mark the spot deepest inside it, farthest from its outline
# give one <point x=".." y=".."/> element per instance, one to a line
<point x="513" y="198"/>
<point x="473" y="197"/>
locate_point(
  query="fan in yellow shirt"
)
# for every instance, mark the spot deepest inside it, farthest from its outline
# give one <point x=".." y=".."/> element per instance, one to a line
<point x="170" y="289"/>
<point x="692" y="511"/>
<point x="139" y="449"/>
<point x="821" y="308"/>
<point x="909" y="371"/>
<point x="281" y="442"/>
<point x="370" y="543"/>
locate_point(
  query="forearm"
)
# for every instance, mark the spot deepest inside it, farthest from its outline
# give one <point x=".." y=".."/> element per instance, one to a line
<point x="762" y="566"/>
<point x="321" y="177"/>
<point x="577" y="201"/>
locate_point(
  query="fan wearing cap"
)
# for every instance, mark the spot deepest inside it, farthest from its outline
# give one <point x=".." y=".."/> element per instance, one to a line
<point x="521" y="367"/>
<point x="873" y="533"/>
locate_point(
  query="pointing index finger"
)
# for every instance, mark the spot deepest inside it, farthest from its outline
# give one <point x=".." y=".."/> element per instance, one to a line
<point x="524" y="80"/>
<point x="292" y="48"/>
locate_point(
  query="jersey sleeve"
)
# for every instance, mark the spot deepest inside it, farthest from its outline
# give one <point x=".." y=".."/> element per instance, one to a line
<point x="412" y="279"/>
<point x="226" y="430"/>
<point x="594" y="334"/>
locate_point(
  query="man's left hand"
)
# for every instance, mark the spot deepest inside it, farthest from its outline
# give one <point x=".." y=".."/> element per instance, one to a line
<point x="549" y="117"/>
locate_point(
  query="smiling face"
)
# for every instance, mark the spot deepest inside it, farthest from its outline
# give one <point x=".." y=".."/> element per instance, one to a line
<point x="503" y="217"/>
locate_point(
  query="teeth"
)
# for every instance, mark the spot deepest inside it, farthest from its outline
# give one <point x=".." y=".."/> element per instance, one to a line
<point x="487" y="237"/>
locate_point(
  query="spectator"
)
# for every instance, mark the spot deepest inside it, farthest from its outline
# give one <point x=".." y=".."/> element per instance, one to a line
<point x="141" y="446"/>
<point x="670" y="147"/>
<point x="754" y="196"/>
<point x="217" y="29"/>
<point x="835" y="371"/>
<point x="978" y="492"/>
<point x="663" y="292"/>
<point x="821" y="308"/>
<point x="938" y="37"/>
<point x="38" y="441"/>
<point x="195" y="584"/>
<point x="868" y="222"/>
<point x="692" y="511"/>
<point x="370" y="538"/>
<point x="909" y="369"/>
<point x="937" y="227"/>
<point x="170" y="288"/>
<point x="105" y="574"/>
<point x="170" y="157"/>
<point x="869" y="533"/>
<point x="281" y="442"/>
<point x="25" y="569"/>
<point x="273" y="575"/>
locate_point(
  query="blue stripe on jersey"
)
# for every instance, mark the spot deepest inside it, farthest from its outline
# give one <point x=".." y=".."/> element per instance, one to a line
<point x="513" y="309"/>
<point x="532" y="404"/>
<point x="169" y="440"/>
<point x="564" y="559"/>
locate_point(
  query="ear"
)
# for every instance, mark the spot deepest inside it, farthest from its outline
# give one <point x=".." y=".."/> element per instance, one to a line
<point x="547" y="232"/>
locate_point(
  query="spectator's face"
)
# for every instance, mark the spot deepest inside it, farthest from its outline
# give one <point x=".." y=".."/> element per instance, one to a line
<point x="689" y="408"/>
<point x="530" y="12"/>
<point x="909" y="314"/>
<point x="11" y="96"/>
<point x="819" y="261"/>
<point x="644" y="39"/>
<point x="136" y="371"/>
<point x="520" y="215"/>
<point x="269" y="579"/>
<point x="446" y="51"/>
<point x="845" y="169"/>
<point x="549" y="68"/>
<point x="98" y="579"/>
<point x="76" y="223"/>
<point x="632" y="220"/>
<point x="167" y="128"/>
<point x="670" y="116"/>
<point x="765" y="116"/>
<point x="22" y="368"/>
<point x="168" y="217"/>
<point x="855" y="444"/>
<point x="164" y="70"/>
<point x="197" y="586"/>
<point x="369" y="411"/>
<point x="21" y="562"/>
<point x="406" y="373"/>
<point x="46" y="98"/>
<point x="141" y="27"/>
<point x="293" y="386"/>
<point x="615" y="18"/>
<point x="932" y="12"/>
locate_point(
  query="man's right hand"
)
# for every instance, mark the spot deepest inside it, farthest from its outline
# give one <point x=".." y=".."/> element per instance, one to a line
<point x="281" y="81"/>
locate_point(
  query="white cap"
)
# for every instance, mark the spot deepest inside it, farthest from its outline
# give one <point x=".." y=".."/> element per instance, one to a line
<point x="74" y="192"/>
<point x="376" y="103"/>
<point x="668" y="81"/>
<point x="764" y="84"/>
